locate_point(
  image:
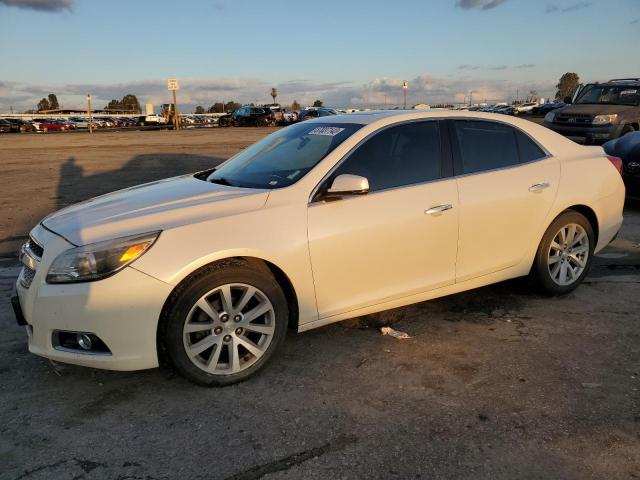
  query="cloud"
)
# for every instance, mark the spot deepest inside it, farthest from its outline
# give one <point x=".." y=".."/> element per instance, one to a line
<point x="478" y="4"/>
<point x="494" y="67"/>
<point x="429" y="89"/>
<point x="41" y="5"/>
<point x="570" y="8"/>
<point x="378" y="92"/>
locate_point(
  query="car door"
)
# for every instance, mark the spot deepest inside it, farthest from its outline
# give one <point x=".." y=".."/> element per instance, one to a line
<point x="506" y="184"/>
<point x="398" y="239"/>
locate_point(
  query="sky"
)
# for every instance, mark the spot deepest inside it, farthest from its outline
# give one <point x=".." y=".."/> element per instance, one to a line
<point x="353" y="53"/>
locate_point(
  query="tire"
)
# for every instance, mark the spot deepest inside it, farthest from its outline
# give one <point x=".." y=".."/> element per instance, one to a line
<point x="559" y="270"/>
<point x="627" y="129"/>
<point x="221" y="351"/>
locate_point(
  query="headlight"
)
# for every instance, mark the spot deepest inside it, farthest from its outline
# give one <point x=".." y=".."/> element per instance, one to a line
<point x="99" y="260"/>
<point x="550" y="117"/>
<point x="604" y="119"/>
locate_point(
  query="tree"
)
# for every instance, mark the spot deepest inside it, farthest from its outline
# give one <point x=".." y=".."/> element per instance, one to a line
<point x="53" y="102"/>
<point x="295" y="106"/>
<point x="129" y="103"/>
<point x="219" y="107"/>
<point x="43" y="105"/>
<point x="274" y="94"/>
<point x="317" y="103"/>
<point x="199" y="110"/>
<point x="567" y="85"/>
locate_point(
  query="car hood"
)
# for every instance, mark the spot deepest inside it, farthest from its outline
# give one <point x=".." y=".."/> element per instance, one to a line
<point x="592" y="109"/>
<point x="153" y="206"/>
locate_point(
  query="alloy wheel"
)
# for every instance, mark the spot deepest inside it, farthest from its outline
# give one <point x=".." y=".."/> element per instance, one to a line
<point x="568" y="254"/>
<point x="229" y="329"/>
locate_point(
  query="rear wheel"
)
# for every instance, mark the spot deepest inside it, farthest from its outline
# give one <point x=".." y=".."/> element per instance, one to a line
<point x="226" y="324"/>
<point x="627" y="129"/>
<point x="565" y="254"/>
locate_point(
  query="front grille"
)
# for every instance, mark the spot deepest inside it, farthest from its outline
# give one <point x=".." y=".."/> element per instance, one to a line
<point x="26" y="276"/>
<point x="574" y="118"/>
<point x="35" y="247"/>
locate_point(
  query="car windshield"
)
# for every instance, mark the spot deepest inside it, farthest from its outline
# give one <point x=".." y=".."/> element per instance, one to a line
<point x="284" y="157"/>
<point x="610" y="95"/>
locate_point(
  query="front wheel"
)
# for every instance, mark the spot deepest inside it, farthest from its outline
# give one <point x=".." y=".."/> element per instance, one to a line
<point x="565" y="253"/>
<point x="226" y="324"/>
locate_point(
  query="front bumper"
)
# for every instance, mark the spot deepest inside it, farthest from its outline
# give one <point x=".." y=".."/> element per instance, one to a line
<point x="587" y="133"/>
<point x="122" y="310"/>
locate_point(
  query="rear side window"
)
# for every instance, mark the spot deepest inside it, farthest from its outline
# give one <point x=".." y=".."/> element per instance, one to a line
<point x="402" y="155"/>
<point x="529" y="151"/>
<point x="485" y="145"/>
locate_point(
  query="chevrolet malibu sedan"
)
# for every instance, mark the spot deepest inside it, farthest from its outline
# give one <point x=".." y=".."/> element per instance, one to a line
<point x="321" y="221"/>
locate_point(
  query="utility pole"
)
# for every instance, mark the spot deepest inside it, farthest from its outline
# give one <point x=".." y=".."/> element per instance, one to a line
<point x="89" y="112"/>
<point x="405" y="87"/>
<point x="470" y="98"/>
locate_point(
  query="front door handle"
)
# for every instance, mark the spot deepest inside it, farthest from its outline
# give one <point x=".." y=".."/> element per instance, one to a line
<point x="439" y="209"/>
<point x="539" y="187"/>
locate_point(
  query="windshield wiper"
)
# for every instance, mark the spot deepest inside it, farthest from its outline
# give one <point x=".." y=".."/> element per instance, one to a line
<point x="222" y="181"/>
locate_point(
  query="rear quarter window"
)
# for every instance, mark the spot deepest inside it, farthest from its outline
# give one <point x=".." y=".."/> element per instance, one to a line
<point x="529" y="150"/>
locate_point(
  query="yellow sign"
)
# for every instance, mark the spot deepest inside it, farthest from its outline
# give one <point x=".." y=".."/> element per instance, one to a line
<point x="172" y="84"/>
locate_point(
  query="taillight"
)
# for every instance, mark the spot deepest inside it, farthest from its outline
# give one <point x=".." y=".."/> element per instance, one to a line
<point x="617" y="162"/>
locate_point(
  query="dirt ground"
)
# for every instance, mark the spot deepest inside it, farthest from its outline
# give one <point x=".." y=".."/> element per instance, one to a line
<point x="43" y="173"/>
<point x="496" y="383"/>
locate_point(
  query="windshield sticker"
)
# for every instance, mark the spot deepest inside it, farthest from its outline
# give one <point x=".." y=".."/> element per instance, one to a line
<point x="628" y="92"/>
<point x="328" y="131"/>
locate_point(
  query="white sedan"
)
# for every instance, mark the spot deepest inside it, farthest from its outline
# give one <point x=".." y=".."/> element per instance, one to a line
<point x="319" y="222"/>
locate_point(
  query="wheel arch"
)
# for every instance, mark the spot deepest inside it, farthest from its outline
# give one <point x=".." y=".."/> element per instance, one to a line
<point x="589" y="213"/>
<point x="257" y="263"/>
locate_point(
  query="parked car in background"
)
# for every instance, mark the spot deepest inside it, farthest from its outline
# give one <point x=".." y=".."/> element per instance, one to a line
<point x="153" y="119"/>
<point x="322" y="221"/>
<point x="505" y="110"/>
<point x="315" y="112"/>
<point x="627" y="148"/>
<point x="20" y="126"/>
<point x="5" y="126"/>
<point x="248" y="116"/>
<point x="547" y="107"/>
<point x="526" y="107"/>
<point x="50" y="125"/>
<point x="601" y="111"/>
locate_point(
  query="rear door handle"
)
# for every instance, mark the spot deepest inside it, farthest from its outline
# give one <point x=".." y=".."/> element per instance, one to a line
<point x="537" y="187"/>
<point x="439" y="209"/>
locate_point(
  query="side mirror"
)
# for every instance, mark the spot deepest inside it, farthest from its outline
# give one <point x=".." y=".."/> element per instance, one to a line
<point x="568" y="100"/>
<point x="347" y="184"/>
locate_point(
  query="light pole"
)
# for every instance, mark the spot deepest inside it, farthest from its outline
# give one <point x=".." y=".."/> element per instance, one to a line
<point x="89" y="112"/>
<point x="405" y="87"/>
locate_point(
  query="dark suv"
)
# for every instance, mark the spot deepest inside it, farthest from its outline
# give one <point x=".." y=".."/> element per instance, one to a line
<point x="248" y="116"/>
<point x="600" y="112"/>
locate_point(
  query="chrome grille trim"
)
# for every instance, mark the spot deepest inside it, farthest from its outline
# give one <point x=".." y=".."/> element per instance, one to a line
<point x="35" y="248"/>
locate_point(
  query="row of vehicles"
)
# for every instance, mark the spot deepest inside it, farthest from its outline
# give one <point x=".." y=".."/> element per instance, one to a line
<point x="43" y="124"/>
<point x="529" y="108"/>
<point x="270" y="115"/>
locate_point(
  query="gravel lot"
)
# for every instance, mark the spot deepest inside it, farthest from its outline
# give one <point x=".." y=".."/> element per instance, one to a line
<point x="497" y="383"/>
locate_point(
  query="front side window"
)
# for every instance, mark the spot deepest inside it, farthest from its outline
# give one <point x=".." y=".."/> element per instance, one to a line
<point x="485" y="145"/>
<point x="610" y="95"/>
<point x="401" y="155"/>
<point x="284" y="157"/>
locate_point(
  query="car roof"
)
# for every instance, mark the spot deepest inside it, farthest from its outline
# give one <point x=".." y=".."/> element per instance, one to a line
<point x="366" y="118"/>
